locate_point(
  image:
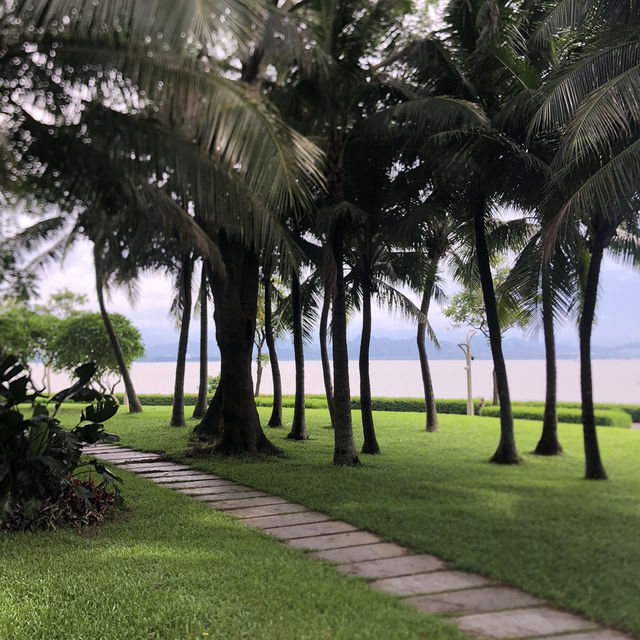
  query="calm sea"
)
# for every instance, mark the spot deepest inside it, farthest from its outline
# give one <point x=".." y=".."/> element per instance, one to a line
<point x="614" y="380"/>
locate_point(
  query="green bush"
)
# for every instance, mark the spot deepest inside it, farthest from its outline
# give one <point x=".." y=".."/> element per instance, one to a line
<point x="161" y="400"/>
<point x="414" y="405"/>
<point x="38" y="458"/>
<point x="632" y="409"/>
<point x="604" y="417"/>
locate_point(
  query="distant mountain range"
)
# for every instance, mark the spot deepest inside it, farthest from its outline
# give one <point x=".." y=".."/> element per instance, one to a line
<point x="405" y="349"/>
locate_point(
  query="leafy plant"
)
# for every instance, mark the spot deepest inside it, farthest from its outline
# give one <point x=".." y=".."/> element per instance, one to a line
<point x="40" y="461"/>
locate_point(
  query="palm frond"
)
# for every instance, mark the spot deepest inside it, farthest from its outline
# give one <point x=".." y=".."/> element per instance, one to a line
<point x="174" y="24"/>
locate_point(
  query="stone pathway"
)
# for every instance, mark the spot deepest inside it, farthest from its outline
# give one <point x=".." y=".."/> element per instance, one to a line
<point x="477" y="605"/>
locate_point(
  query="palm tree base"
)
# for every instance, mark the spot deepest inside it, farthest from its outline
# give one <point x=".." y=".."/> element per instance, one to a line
<point x="229" y="447"/>
<point x="297" y="435"/>
<point x="370" y="449"/>
<point x="548" y="448"/>
<point x="345" y="459"/>
<point x="432" y="428"/>
<point x="506" y="455"/>
<point x="596" y="472"/>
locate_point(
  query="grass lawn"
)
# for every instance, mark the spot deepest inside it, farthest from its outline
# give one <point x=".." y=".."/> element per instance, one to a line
<point x="538" y="525"/>
<point x="171" y="568"/>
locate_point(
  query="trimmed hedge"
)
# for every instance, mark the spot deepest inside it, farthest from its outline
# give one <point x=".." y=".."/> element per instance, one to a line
<point x="161" y="400"/>
<point x="632" y="409"/>
<point x="604" y="417"/>
<point x="414" y="405"/>
<point x="456" y="406"/>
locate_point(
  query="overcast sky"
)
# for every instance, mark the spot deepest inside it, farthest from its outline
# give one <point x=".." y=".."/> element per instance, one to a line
<point x="618" y="309"/>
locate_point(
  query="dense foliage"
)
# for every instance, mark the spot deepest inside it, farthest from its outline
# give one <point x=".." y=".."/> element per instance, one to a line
<point x="40" y="460"/>
<point x="83" y="338"/>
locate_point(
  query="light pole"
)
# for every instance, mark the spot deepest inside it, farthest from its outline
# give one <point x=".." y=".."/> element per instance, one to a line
<point x="466" y="349"/>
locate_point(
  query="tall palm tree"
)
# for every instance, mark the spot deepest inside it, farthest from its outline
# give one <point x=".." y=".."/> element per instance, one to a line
<point x="225" y="153"/>
<point x="592" y="107"/>
<point x="203" y="386"/>
<point x="182" y="305"/>
<point x="473" y="78"/>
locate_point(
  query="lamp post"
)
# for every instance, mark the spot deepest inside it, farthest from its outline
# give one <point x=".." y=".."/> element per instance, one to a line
<point x="466" y="349"/>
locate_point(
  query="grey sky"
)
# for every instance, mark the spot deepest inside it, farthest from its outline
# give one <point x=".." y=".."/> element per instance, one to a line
<point x="618" y="309"/>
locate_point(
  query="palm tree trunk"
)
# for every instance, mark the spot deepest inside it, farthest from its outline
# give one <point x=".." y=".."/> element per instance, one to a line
<point x="549" y="445"/>
<point x="134" y="403"/>
<point x="324" y="352"/>
<point x="201" y="403"/>
<point x="427" y="383"/>
<point x="506" y="453"/>
<point x="177" y="412"/>
<point x="276" y="412"/>
<point x="299" y="424"/>
<point x="344" y="452"/>
<point x="594" y="468"/>
<point x="495" y="400"/>
<point x="235" y="311"/>
<point x="259" y="366"/>
<point x="370" y="444"/>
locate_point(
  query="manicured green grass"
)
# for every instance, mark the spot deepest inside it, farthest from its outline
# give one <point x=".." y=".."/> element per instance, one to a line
<point x="171" y="568"/>
<point x="538" y="525"/>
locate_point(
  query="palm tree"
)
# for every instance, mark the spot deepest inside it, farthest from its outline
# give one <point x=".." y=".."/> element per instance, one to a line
<point x="275" y="420"/>
<point x="203" y="298"/>
<point x="225" y="153"/>
<point x="182" y="303"/>
<point x="132" y="398"/>
<point x="474" y="78"/>
<point x="592" y="107"/>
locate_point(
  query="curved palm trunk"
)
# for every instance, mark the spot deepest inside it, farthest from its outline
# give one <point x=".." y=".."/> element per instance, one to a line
<point x="201" y="403"/>
<point x="370" y="442"/>
<point x="299" y="424"/>
<point x="177" y="412"/>
<point x="506" y="453"/>
<point x="344" y="451"/>
<point x="427" y="383"/>
<point x="549" y="445"/>
<point x="134" y="403"/>
<point x="236" y="305"/>
<point x="594" y="469"/>
<point x="276" y="412"/>
<point x="324" y="352"/>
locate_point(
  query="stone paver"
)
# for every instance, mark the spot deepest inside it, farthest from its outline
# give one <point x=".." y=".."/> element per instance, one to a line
<point x="423" y="583"/>
<point x="172" y="477"/>
<point x="216" y="497"/>
<point x="336" y="541"/>
<point x="362" y="553"/>
<point x="207" y="490"/>
<point x="125" y="455"/>
<point x="393" y="567"/>
<point x="282" y="520"/>
<point x="227" y="505"/>
<point x="520" y="623"/>
<point x="222" y="485"/>
<point x="154" y="467"/>
<point x="269" y="510"/>
<point x="309" y="530"/>
<point x="236" y="490"/>
<point x="602" y="634"/>
<point x="470" y="601"/>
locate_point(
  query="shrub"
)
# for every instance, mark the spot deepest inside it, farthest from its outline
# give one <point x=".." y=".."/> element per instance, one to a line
<point x="632" y="409"/>
<point x="38" y="458"/>
<point x="378" y="404"/>
<point x="604" y="417"/>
